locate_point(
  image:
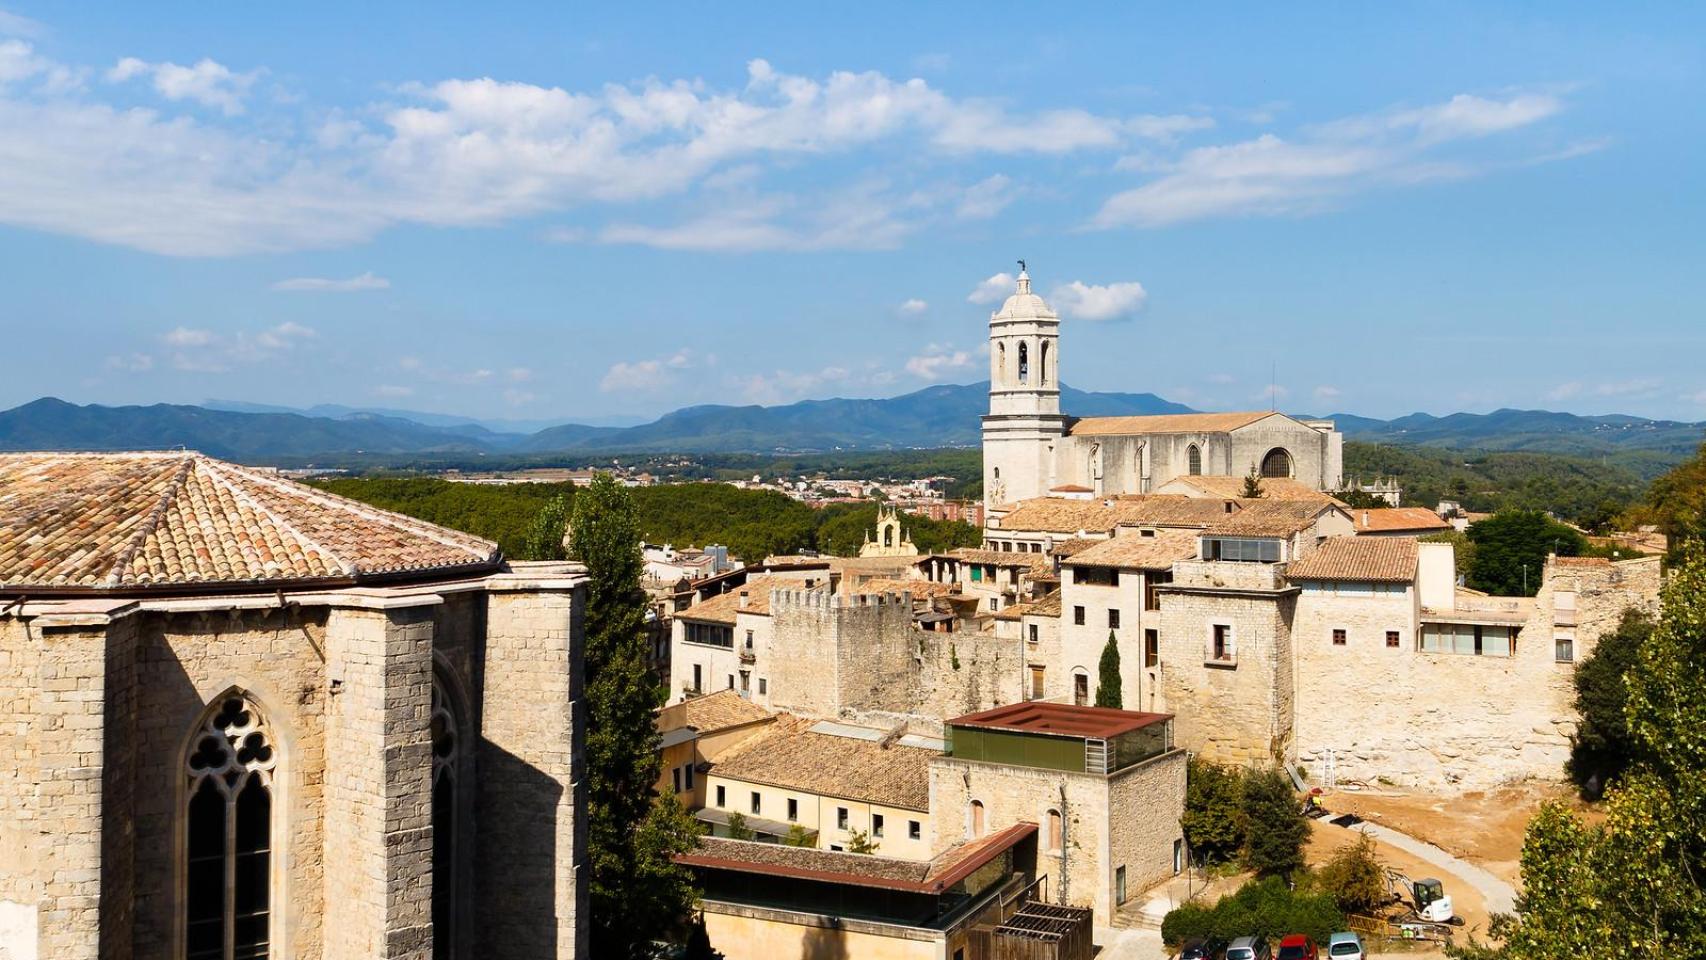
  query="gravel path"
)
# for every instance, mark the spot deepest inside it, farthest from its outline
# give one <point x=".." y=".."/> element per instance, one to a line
<point x="1499" y="895"/>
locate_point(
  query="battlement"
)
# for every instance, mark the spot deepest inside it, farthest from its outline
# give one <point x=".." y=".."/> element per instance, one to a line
<point x="816" y="599"/>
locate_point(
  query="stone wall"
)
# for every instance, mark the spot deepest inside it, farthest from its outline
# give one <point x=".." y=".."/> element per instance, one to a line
<point x="1145" y="804"/>
<point x="20" y="886"/>
<point x="1238" y="711"/>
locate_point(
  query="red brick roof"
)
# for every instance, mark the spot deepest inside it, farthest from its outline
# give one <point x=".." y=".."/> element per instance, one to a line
<point x="1396" y="519"/>
<point x="112" y="522"/>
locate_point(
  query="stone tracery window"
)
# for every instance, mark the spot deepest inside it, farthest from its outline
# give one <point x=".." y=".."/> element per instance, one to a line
<point x="446" y="748"/>
<point x="1194" y="457"/>
<point x="1277" y="463"/>
<point x="228" y="835"/>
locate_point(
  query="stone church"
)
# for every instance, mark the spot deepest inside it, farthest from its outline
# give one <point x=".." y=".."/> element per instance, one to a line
<point x="243" y="718"/>
<point x="1031" y="449"/>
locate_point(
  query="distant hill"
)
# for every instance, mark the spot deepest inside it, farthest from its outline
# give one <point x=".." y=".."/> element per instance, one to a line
<point x="939" y="416"/>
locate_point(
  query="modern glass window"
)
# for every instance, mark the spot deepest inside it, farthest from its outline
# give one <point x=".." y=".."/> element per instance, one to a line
<point x="1241" y="549"/>
<point x="228" y="835"/>
<point x="1479" y="640"/>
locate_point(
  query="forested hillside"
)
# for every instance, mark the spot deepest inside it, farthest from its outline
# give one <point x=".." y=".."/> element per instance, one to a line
<point x="752" y="523"/>
<point x="1586" y="491"/>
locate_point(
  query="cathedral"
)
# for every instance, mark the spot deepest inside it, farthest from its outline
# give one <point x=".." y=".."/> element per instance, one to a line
<point x="243" y="718"/>
<point x="1031" y="449"/>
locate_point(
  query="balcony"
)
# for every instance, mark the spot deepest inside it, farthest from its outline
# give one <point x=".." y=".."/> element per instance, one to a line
<point x="748" y="655"/>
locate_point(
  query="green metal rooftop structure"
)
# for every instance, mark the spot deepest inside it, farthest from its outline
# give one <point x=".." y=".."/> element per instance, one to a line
<point x="1059" y="736"/>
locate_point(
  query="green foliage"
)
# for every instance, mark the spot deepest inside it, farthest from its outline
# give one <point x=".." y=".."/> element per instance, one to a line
<point x="1581" y="489"/>
<point x="843" y="527"/>
<point x="738" y="830"/>
<point x="1354" y="877"/>
<point x="1274" y="828"/>
<point x="1602" y="748"/>
<point x="860" y="841"/>
<point x="500" y="513"/>
<point x="1252" y="486"/>
<point x="639" y="892"/>
<point x="799" y="836"/>
<point x="1678" y="503"/>
<point x="1360" y="499"/>
<point x="547" y="535"/>
<point x="699" y="943"/>
<point x="1108" y="692"/>
<point x="1214" y="815"/>
<point x="1632" y="887"/>
<point x="1511" y="549"/>
<point x="1264" y="908"/>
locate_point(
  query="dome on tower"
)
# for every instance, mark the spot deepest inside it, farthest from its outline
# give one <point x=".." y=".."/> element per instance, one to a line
<point x="1024" y="305"/>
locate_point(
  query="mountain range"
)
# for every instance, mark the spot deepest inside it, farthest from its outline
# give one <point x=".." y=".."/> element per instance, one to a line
<point x="937" y="416"/>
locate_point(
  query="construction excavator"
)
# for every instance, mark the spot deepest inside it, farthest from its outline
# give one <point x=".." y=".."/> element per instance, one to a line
<point x="1426" y="899"/>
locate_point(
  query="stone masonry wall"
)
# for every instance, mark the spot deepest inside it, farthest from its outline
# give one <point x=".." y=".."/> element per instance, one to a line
<point x="532" y="835"/>
<point x="20" y="885"/>
<point x="1145" y="803"/>
<point x="1239" y="712"/>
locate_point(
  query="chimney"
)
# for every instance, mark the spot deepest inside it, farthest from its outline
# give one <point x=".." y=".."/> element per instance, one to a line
<point x="740" y="600"/>
<point x="1365" y="519"/>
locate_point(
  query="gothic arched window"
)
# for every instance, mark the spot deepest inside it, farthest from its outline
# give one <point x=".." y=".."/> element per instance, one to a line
<point x="1024" y="362"/>
<point x="1277" y="463"/>
<point x="1194" y="458"/>
<point x="228" y="835"/>
<point x="446" y="749"/>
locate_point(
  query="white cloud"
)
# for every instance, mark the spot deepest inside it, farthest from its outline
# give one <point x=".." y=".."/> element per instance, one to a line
<point x="1270" y="175"/>
<point x="986" y="198"/>
<point x="1564" y="391"/>
<point x="1628" y="388"/>
<point x="364" y="281"/>
<point x="1081" y="301"/>
<point x="188" y="337"/>
<point x="208" y="82"/>
<point x="519" y="374"/>
<point x="393" y="391"/>
<point x="1169" y="128"/>
<point x="937" y="361"/>
<point x="17" y="25"/>
<point x="993" y="290"/>
<point x="913" y="307"/>
<point x="1326" y="393"/>
<point x="784" y="386"/>
<point x="645" y="375"/>
<point x="132" y="363"/>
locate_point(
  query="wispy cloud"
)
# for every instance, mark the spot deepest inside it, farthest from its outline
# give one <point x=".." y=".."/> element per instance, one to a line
<point x="207" y="82"/>
<point x="993" y="290"/>
<point x="1326" y="393"/>
<point x="1270" y="175"/>
<point x="937" y="361"/>
<point x="17" y="25"/>
<point x="784" y="386"/>
<point x="912" y="307"/>
<point x="645" y="375"/>
<point x="360" y="282"/>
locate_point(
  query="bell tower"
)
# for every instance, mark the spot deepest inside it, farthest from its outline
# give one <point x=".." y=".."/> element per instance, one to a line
<point x="1024" y="422"/>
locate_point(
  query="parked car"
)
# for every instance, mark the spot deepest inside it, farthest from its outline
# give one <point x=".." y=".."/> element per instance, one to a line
<point x="1203" y="949"/>
<point x="1248" y="948"/>
<point x="1345" y="946"/>
<point x="1297" y="947"/>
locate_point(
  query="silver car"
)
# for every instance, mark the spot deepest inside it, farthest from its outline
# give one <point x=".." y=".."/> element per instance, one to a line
<point x="1344" y="946"/>
<point x="1248" y="948"/>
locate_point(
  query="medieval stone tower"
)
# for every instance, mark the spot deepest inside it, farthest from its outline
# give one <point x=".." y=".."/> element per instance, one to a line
<point x="1024" y="421"/>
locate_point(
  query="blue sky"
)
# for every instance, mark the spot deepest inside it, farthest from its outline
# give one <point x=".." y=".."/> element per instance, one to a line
<point x="540" y="212"/>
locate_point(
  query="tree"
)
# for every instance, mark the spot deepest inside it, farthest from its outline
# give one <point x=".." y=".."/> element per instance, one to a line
<point x="1214" y="816"/>
<point x="699" y="942"/>
<point x="1358" y="499"/>
<point x="860" y="841"/>
<point x="799" y="836"/>
<point x="738" y="830"/>
<point x="1267" y="908"/>
<point x="1511" y="550"/>
<point x="638" y="892"/>
<point x="1602" y="748"/>
<point x="548" y="533"/>
<point x="1274" y="827"/>
<point x="1355" y="877"/>
<point x="1633" y="886"/>
<point x="1678" y="502"/>
<point x="1108" y="676"/>
<point x="1252" y="486"/>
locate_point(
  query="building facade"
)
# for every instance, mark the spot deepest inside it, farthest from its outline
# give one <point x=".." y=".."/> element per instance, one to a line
<point x="244" y="718"/>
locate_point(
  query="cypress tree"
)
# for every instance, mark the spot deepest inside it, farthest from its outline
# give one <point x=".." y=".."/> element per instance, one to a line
<point x="1108" y="679"/>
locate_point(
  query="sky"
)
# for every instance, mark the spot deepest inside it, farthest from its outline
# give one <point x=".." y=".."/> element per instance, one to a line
<point x="556" y="212"/>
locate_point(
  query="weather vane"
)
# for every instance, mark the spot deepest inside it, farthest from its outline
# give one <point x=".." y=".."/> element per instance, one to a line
<point x="1021" y="266"/>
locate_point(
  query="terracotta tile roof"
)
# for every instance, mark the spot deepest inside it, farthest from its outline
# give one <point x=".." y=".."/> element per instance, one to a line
<point x="1582" y="561"/>
<point x="793" y="757"/>
<point x="1067" y="548"/>
<point x="1072" y="488"/>
<point x="856" y="869"/>
<point x="1036" y="562"/>
<point x="1273" y="488"/>
<point x="1377" y="559"/>
<point x="720" y="711"/>
<point x="130" y="521"/>
<point x="1269" y="518"/>
<point x="1397" y="519"/>
<point x="918" y="588"/>
<point x="1047" y="606"/>
<point x="1053" y="515"/>
<point x="723" y="607"/>
<point x="1136" y="552"/>
<point x="1166" y="423"/>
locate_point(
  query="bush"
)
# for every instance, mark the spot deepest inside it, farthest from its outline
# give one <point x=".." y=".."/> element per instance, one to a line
<point x="1274" y="828"/>
<point x="1263" y="908"/>
<point x="1214" y="819"/>
<point x="1354" y="877"/>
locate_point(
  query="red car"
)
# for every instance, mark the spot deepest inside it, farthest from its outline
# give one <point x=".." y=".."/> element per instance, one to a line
<point x="1297" y="947"/>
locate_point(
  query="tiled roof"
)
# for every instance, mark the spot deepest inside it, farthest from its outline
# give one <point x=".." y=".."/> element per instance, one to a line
<point x="1581" y="561"/>
<point x="1047" y="606"/>
<point x="1269" y="518"/>
<point x="723" y="607"/>
<point x="1060" y="719"/>
<point x="1377" y="559"/>
<point x="1053" y="515"/>
<point x="856" y="869"/>
<point x="795" y="758"/>
<point x="129" y="521"/>
<point x="1136" y="552"/>
<point x="720" y="711"/>
<point x="918" y="588"/>
<point x="1273" y="488"/>
<point x="1395" y="519"/>
<point x="1165" y="423"/>
<point x="1067" y="548"/>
